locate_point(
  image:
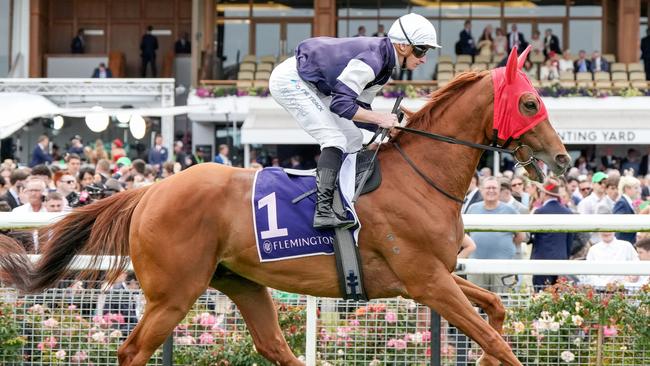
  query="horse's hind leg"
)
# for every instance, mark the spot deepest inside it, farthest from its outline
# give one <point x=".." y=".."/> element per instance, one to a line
<point x="441" y="293"/>
<point x="167" y="306"/>
<point x="490" y="303"/>
<point x="259" y="312"/>
<point x="172" y="277"/>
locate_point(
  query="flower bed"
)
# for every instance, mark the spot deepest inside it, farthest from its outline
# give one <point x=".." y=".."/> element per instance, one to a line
<point x="413" y="91"/>
<point x="207" y="339"/>
<point x="576" y="325"/>
<point x="564" y="325"/>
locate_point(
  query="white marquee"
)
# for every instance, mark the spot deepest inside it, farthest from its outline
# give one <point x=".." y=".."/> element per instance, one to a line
<point x="612" y="120"/>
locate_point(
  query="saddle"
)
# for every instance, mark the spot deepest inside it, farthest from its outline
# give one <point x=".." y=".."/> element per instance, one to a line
<point x="364" y="162"/>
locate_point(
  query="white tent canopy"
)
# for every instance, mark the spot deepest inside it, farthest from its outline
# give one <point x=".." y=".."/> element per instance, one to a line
<point x="613" y="120"/>
<point x="19" y="108"/>
<point x="578" y="120"/>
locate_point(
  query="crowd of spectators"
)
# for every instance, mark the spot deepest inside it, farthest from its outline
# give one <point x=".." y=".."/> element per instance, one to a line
<point x="85" y="171"/>
<point x="584" y="190"/>
<point x="546" y="48"/>
<point x="546" y="61"/>
<point x="502" y="42"/>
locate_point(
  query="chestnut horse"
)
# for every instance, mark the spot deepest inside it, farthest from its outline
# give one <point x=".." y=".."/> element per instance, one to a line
<point x="194" y="230"/>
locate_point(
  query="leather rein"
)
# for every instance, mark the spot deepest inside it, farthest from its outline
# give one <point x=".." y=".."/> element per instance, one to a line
<point x="450" y="140"/>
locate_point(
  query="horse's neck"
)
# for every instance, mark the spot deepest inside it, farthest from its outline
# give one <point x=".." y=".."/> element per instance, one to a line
<point x="450" y="166"/>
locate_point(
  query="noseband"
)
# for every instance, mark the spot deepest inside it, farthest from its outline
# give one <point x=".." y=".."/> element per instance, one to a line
<point x="450" y="140"/>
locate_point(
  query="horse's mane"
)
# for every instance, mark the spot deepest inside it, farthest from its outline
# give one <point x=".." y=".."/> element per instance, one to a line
<point x="423" y="118"/>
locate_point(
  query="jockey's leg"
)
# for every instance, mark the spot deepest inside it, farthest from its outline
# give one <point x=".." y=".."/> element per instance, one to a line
<point x="256" y="306"/>
<point x="311" y="111"/>
<point x="329" y="166"/>
<point x="327" y="172"/>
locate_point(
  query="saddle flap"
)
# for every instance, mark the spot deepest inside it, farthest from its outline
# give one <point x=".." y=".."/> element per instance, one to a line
<point x="364" y="162"/>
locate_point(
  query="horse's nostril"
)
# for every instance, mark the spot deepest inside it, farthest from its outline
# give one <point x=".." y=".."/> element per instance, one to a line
<point x="562" y="160"/>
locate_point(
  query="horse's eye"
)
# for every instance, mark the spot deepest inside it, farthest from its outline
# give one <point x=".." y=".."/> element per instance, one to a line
<point x="530" y="105"/>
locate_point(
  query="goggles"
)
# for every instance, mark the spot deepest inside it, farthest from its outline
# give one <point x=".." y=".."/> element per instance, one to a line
<point x="418" y="50"/>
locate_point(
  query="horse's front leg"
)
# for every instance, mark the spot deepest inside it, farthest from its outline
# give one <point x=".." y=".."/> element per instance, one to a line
<point x="490" y="303"/>
<point x="438" y="289"/>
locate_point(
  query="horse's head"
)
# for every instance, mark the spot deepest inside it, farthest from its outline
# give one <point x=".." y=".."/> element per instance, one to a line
<point x="520" y="114"/>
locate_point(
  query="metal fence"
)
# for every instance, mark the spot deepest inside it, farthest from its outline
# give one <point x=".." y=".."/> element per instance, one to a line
<point x="70" y="326"/>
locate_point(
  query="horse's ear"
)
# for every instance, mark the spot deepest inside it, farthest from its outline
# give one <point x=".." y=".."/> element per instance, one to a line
<point x="511" y="66"/>
<point x="522" y="58"/>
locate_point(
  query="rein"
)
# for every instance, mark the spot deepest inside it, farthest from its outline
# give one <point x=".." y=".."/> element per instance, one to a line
<point x="454" y="141"/>
<point x="493" y="147"/>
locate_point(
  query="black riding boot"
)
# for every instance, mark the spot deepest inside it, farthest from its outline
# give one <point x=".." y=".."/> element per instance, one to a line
<point x="327" y="173"/>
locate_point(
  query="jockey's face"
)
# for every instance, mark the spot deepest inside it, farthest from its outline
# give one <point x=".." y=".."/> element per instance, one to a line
<point x="406" y="55"/>
<point x="412" y="62"/>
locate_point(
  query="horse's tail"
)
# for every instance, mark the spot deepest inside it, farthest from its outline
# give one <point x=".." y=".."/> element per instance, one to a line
<point x="99" y="229"/>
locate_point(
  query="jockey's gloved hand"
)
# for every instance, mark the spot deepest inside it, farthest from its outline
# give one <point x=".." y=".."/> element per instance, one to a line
<point x="386" y="120"/>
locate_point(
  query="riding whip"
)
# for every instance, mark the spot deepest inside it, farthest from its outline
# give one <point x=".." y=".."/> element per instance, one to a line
<point x="382" y="133"/>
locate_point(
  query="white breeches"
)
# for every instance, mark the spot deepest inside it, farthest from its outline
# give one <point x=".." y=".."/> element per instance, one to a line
<point x="311" y="109"/>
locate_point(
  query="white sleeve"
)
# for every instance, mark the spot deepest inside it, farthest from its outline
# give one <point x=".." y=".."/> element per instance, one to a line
<point x="368" y="95"/>
<point x="356" y="75"/>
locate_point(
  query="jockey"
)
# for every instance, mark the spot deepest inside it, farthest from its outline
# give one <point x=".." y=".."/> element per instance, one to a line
<point x="331" y="82"/>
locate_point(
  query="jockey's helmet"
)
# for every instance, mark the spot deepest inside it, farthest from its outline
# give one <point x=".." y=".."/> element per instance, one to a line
<point x="413" y="29"/>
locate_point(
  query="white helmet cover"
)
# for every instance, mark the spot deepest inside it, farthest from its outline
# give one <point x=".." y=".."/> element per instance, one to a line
<point x="418" y="29"/>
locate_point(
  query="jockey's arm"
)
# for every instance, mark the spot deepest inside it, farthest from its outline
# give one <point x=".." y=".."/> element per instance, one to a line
<point x="382" y="119"/>
<point x="351" y="85"/>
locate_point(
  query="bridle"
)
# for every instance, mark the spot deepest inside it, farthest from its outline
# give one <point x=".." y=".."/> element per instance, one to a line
<point x="450" y="140"/>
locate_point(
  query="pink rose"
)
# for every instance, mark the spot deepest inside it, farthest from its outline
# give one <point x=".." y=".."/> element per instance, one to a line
<point x="610" y="331"/>
<point x="37" y="309"/>
<point x="205" y="319"/>
<point x="49" y="342"/>
<point x="426" y="336"/>
<point x="391" y="317"/>
<point x="79" y="357"/>
<point x="342" y="332"/>
<point x="206" y="338"/>
<point x="114" y="318"/>
<point x="99" y="337"/>
<point x="60" y="355"/>
<point x="51" y="323"/>
<point x="99" y="321"/>
<point x="397" y="343"/>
